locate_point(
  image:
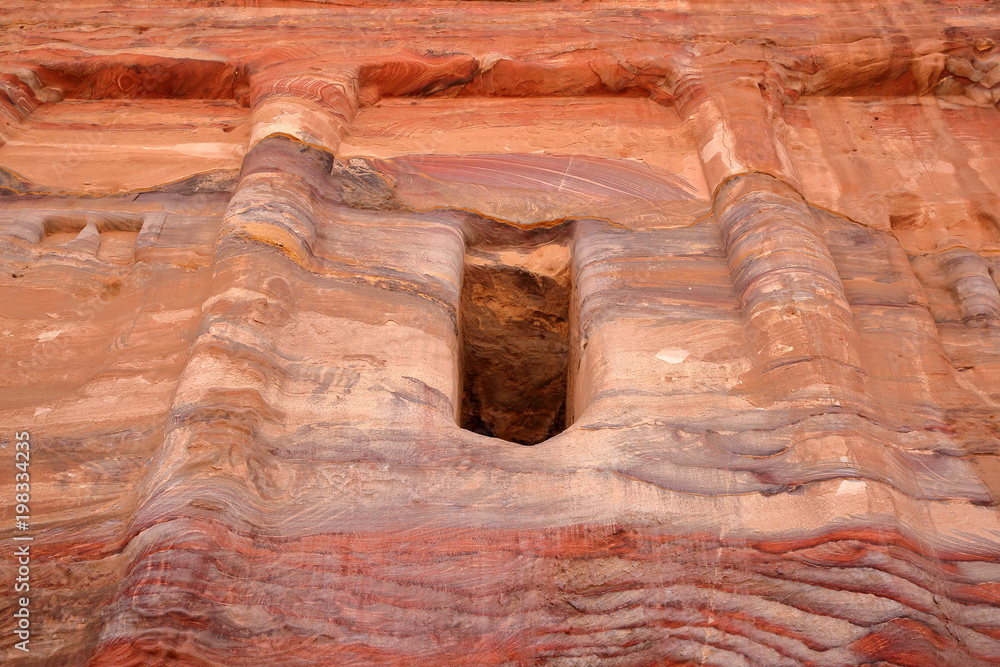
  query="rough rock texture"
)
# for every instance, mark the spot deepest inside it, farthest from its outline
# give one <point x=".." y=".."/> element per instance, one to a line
<point x="286" y="283"/>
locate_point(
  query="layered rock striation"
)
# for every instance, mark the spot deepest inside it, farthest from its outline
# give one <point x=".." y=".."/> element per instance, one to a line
<point x="475" y="333"/>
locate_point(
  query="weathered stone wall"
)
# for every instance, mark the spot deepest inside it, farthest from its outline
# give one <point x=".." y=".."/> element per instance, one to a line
<point x="733" y="267"/>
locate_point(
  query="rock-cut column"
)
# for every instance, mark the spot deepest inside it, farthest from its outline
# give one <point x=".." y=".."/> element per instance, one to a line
<point x="216" y="473"/>
<point x="969" y="279"/>
<point x="796" y="312"/>
<point x="233" y="377"/>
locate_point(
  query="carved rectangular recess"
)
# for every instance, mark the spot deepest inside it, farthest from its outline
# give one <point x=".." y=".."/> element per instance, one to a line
<point x="113" y="127"/>
<point x="526" y="167"/>
<point x="110" y="237"/>
<point x="516" y="335"/>
<point x="152" y="227"/>
<point x="529" y="160"/>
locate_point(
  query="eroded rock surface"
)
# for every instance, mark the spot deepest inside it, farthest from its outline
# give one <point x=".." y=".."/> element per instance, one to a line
<point x="288" y="288"/>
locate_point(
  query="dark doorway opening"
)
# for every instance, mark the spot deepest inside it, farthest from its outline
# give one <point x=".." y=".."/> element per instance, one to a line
<point x="515" y="339"/>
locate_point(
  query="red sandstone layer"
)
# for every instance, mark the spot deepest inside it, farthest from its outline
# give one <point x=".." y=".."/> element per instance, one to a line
<point x="285" y="285"/>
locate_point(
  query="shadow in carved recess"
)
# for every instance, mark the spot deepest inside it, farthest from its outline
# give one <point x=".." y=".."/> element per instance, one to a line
<point x="515" y="329"/>
<point x="108" y="237"/>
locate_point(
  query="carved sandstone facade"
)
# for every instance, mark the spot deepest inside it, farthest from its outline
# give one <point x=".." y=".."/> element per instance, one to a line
<point x="286" y="289"/>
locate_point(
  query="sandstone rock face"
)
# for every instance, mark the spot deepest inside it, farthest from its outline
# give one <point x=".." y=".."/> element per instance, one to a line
<point x="288" y="287"/>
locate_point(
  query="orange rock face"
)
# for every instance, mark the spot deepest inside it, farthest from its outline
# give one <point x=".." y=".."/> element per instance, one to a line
<point x="472" y="333"/>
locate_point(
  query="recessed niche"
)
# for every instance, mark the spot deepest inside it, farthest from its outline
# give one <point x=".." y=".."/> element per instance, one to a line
<point x="99" y="147"/>
<point x="526" y="160"/>
<point x="110" y="238"/>
<point x="515" y="332"/>
<point x="122" y="123"/>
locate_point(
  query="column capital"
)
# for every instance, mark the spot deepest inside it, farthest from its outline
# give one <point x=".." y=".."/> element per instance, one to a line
<point x="735" y="115"/>
<point x="307" y="103"/>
